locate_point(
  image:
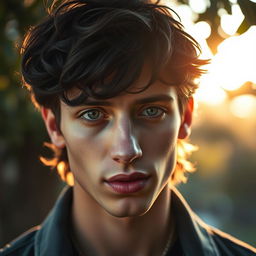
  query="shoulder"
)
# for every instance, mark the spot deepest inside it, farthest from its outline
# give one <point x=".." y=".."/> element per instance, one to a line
<point x="22" y="246"/>
<point x="229" y="245"/>
<point x="198" y="238"/>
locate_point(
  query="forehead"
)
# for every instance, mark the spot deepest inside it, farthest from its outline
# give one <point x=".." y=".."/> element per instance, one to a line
<point x="157" y="90"/>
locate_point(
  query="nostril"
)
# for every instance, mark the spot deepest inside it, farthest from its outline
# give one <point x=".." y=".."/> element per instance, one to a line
<point x="127" y="158"/>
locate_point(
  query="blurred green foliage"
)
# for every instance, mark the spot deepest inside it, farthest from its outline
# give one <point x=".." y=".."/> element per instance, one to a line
<point x="17" y="115"/>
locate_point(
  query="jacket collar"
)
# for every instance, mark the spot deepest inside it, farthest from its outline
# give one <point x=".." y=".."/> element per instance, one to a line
<point x="193" y="233"/>
<point x="54" y="236"/>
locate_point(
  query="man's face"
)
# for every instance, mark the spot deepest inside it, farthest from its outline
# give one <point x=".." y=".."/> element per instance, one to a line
<point x="122" y="151"/>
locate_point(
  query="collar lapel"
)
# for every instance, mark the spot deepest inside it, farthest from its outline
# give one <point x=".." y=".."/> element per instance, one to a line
<point x="53" y="237"/>
<point x="194" y="235"/>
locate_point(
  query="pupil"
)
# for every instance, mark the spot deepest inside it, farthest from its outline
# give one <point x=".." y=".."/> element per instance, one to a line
<point x="93" y="114"/>
<point x="151" y="111"/>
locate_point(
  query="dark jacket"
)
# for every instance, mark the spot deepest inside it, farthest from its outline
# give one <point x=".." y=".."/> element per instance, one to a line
<point x="52" y="238"/>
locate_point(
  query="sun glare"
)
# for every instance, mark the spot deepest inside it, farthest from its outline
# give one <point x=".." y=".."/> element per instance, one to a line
<point x="234" y="63"/>
<point x="230" y="68"/>
<point x="210" y="94"/>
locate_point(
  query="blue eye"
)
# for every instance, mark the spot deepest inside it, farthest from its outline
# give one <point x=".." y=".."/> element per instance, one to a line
<point x="92" y="115"/>
<point x="153" y="112"/>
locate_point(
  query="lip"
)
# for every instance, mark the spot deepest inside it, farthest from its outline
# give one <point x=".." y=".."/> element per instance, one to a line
<point x="128" y="183"/>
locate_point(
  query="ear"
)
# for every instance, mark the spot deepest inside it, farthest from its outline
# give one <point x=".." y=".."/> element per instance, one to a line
<point x="185" y="127"/>
<point x="52" y="128"/>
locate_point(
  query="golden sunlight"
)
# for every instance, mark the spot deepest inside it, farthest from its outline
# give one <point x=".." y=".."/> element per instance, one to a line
<point x="234" y="64"/>
<point x="231" y="67"/>
<point x="61" y="170"/>
<point x="68" y="177"/>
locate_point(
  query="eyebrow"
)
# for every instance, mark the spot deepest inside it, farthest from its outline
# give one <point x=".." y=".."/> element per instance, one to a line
<point x="164" y="97"/>
<point x="156" y="98"/>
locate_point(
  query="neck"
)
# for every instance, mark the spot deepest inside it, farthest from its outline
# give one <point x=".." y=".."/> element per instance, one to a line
<point x="99" y="233"/>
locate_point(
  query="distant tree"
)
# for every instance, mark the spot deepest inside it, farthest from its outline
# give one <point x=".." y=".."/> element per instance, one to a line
<point x="212" y="16"/>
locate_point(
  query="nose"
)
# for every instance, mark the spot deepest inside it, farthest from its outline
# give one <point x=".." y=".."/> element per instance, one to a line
<point x="125" y="147"/>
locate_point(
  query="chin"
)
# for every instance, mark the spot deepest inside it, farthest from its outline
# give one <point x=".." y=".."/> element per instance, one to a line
<point x="127" y="214"/>
<point x="128" y="209"/>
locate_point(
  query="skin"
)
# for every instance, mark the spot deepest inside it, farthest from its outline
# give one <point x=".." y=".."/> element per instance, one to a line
<point x="125" y="134"/>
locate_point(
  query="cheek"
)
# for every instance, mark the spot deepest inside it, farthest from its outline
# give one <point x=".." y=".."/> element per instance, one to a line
<point x="160" y="149"/>
<point x="164" y="153"/>
<point x="162" y="142"/>
<point x="81" y="147"/>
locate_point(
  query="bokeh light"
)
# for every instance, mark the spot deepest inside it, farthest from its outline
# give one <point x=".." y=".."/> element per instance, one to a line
<point x="243" y="106"/>
<point x="230" y="23"/>
<point x="198" y="6"/>
<point x="202" y="29"/>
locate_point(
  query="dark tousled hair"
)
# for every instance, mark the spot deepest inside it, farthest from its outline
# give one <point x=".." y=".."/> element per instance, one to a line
<point x="100" y="47"/>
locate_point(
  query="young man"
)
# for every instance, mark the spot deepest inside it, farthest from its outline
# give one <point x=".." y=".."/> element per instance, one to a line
<point x="114" y="82"/>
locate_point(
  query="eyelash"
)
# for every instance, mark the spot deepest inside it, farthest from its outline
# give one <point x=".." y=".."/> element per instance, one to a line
<point x="163" y="111"/>
<point x="103" y="114"/>
<point x="100" y="111"/>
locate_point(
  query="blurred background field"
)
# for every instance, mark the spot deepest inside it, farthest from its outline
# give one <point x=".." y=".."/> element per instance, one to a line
<point x="222" y="190"/>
